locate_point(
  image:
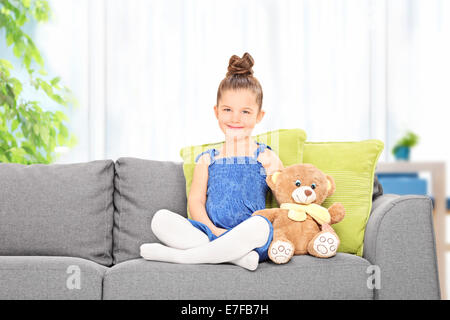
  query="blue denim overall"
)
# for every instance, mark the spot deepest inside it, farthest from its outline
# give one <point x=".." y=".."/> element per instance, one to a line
<point x="236" y="188"/>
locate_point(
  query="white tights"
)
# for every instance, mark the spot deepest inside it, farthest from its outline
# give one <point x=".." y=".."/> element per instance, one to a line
<point x="186" y="244"/>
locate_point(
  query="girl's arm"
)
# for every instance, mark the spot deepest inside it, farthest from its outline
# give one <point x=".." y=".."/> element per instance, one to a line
<point x="270" y="161"/>
<point x="197" y="195"/>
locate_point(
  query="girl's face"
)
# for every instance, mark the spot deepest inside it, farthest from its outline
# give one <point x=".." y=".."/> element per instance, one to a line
<point x="238" y="113"/>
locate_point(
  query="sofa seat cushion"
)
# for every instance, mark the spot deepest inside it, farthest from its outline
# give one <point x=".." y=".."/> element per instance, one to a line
<point x="50" y="278"/>
<point x="304" y="277"/>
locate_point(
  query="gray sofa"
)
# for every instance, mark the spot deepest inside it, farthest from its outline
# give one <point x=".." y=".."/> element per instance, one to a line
<point x="73" y="231"/>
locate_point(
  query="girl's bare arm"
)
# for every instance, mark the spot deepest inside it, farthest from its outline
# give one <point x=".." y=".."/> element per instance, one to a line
<point x="197" y="195"/>
<point x="270" y="161"/>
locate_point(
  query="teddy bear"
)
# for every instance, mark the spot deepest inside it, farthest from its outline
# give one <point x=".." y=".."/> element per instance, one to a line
<point x="301" y="225"/>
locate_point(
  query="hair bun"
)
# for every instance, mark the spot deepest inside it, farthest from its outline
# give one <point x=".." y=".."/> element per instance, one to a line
<point x="241" y="66"/>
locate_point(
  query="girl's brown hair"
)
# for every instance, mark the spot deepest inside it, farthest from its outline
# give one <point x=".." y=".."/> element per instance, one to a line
<point x="240" y="76"/>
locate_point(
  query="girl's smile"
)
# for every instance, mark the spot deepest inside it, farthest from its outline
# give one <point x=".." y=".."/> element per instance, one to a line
<point x="237" y="113"/>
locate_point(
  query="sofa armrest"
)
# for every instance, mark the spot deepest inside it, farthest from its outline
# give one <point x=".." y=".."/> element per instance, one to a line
<point x="399" y="239"/>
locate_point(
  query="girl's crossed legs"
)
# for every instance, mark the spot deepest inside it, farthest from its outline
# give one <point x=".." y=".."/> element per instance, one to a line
<point x="187" y="244"/>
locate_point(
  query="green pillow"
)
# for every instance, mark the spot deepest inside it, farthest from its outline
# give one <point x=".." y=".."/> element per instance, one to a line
<point x="352" y="165"/>
<point x="286" y="143"/>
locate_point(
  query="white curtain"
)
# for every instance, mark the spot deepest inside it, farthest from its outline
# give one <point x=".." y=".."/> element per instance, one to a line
<point x="418" y="77"/>
<point x="146" y="72"/>
<point x="165" y="60"/>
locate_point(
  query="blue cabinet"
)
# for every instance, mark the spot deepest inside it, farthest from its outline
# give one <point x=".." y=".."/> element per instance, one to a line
<point x="402" y="183"/>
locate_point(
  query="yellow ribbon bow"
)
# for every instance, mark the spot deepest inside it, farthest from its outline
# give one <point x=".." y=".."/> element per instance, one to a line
<point x="297" y="212"/>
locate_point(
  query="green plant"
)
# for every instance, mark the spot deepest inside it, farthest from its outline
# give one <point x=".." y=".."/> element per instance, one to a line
<point x="410" y="139"/>
<point x="28" y="134"/>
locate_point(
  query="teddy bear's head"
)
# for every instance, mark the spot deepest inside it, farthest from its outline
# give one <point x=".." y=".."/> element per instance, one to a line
<point x="302" y="184"/>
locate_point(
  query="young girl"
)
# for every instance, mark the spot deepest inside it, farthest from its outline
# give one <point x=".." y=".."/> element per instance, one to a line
<point x="227" y="187"/>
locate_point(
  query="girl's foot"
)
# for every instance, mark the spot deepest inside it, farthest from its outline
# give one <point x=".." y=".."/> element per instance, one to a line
<point x="250" y="261"/>
<point x="153" y="251"/>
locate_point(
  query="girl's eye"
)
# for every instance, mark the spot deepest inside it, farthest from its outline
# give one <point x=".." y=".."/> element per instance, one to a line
<point x="313" y="186"/>
<point x="246" y="112"/>
<point x="298" y="183"/>
<point x="226" y="110"/>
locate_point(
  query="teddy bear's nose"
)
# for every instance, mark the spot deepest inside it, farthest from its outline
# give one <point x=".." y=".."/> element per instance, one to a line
<point x="308" y="193"/>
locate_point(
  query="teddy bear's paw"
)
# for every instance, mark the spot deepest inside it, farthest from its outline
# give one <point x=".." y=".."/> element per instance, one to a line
<point x="281" y="251"/>
<point x="325" y="245"/>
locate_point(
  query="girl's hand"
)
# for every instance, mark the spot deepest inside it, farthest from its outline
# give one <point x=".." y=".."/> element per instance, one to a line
<point x="218" y="231"/>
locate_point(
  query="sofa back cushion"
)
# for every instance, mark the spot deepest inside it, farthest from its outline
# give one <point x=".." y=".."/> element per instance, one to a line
<point x="142" y="187"/>
<point x="57" y="210"/>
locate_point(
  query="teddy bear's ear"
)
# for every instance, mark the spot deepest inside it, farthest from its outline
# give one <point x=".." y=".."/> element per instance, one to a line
<point x="272" y="179"/>
<point x="331" y="185"/>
